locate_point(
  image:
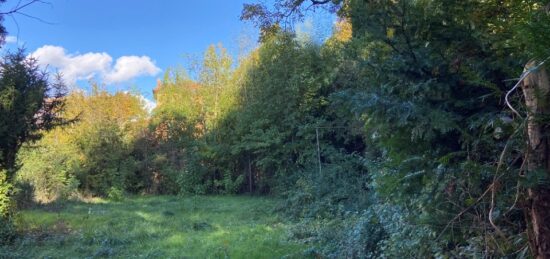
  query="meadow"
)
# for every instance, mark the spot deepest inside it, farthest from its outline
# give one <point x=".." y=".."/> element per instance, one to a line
<point x="154" y="227"/>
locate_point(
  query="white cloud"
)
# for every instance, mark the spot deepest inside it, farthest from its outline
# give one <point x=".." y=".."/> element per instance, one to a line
<point x="147" y="104"/>
<point x="128" y="67"/>
<point x="85" y="66"/>
<point x="11" y="39"/>
<point x="73" y="67"/>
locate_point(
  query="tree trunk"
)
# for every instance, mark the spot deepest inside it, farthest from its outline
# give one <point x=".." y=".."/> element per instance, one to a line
<point x="536" y="89"/>
<point x="249" y="175"/>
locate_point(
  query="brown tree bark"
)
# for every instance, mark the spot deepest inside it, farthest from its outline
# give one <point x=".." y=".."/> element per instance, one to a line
<point x="536" y="89"/>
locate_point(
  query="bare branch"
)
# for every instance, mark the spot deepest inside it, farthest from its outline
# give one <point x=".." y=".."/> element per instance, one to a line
<point x="283" y="11"/>
<point x="19" y="7"/>
<point x="523" y="76"/>
<point x="316" y="2"/>
<point x="36" y="18"/>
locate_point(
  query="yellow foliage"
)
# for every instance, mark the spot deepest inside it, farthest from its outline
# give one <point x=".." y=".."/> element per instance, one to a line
<point x="342" y="31"/>
<point x="390" y="32"/>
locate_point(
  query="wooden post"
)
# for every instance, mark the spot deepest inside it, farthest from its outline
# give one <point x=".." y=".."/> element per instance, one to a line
<point x="249" y="175"/>
<point x="536" y="89"/>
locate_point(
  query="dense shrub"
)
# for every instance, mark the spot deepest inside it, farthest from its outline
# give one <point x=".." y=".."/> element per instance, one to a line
<point x="24" y="195"/>
<point x="91" y="155"/>
<point x="7" y="210"/>
<point x="49" y="169"/>
<point x="105" y="162"/>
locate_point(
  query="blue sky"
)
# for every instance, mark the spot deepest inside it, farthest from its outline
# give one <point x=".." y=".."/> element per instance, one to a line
<point x="127" y="44"/>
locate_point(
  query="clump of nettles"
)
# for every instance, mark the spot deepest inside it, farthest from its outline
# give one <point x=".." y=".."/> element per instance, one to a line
<point x="115" y="194"/>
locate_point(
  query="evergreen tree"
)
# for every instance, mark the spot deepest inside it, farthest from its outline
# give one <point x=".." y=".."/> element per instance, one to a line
<point x="29" y="102"/>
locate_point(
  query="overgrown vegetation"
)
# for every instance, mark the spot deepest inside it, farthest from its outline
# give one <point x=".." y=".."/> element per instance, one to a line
<point x="392" y="138"/>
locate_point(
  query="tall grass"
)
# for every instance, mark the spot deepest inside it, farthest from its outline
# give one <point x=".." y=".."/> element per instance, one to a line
<point x="155" y="227"/>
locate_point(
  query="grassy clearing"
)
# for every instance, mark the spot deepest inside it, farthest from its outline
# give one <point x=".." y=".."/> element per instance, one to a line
<point x="159" y="227"/>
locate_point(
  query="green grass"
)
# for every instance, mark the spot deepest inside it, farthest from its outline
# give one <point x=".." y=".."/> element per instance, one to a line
<point x="155" y="227"/>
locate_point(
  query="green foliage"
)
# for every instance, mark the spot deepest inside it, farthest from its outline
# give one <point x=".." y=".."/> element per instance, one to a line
<point x="106" y="162"/>
<point x="268" y="18"/>
<point x="228" y="185"/>
<point x="426" y="79"/>
<point x="7" y="229"/>
<point x="24" y="195"/>
<point x="432" y="77"/>
<point x="49" y="169"/>
<point x="284" y="98"/>
<point x="185" y="139"/>
<point x="194" y="179"/>
<point x="6" y="205"/>
<point x="92" y="155"/>
<point x="28" y="103"/>
<point x="115" y="193"/>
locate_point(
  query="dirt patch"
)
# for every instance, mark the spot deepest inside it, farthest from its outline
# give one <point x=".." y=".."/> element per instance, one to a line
<point x="59" y="229"/>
